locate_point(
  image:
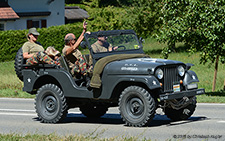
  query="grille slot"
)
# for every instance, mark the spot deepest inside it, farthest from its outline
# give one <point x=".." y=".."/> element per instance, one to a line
<point x="170" y="76"/>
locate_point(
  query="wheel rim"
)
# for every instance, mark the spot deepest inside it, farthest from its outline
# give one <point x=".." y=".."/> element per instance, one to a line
<point x="135" y="107"/>
<point x="49" y="105"/>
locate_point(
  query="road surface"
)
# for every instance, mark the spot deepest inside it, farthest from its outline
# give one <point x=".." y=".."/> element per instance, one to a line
<point x="207" y="123"/>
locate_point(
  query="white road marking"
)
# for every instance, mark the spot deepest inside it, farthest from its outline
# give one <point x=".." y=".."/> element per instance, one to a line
<point x="212" y="104"/>
<point x="21" y="112"/>
<point x="28" y="99"/>
<point x="17" y="114"/>
<point x="17" y="110"/>
<point x="221" y="121"/>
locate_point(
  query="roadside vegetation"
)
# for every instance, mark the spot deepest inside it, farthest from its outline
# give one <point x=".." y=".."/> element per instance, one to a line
<point x="54" y="137"/>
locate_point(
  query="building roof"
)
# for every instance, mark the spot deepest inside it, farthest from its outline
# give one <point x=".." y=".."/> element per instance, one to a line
<point x="7" y="13"/>
<point x="29" y="14"/>
<point x="75" y="13"/>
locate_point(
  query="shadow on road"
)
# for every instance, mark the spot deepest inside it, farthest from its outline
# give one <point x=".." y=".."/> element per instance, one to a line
<point x="158" y="120"/>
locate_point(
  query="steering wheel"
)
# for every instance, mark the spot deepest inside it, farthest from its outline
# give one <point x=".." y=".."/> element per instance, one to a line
<point x="117" y="47"/>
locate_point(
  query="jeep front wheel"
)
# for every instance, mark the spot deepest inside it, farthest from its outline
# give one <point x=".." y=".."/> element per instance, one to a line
<point x="137" y="107"/>
<point x="50" y="104"/>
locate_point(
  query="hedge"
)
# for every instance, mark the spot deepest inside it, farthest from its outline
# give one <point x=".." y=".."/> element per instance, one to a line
<point x="12" y="40"/>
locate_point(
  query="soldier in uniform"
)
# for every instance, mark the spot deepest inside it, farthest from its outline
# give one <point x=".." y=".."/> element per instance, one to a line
<point x="73" y="56"/>
<point x="33" y="52"/>
<point x="101" y="45"/>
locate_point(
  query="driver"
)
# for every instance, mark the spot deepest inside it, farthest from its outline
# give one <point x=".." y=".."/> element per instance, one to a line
<point x="101" y="45"/>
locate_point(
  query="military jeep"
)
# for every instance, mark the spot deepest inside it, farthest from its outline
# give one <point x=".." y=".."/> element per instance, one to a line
<point x="137" y="84"/>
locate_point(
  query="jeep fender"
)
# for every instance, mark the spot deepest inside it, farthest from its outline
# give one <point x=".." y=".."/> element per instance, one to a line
<point x="150" y="81"/>
<point x="190" y="77"/>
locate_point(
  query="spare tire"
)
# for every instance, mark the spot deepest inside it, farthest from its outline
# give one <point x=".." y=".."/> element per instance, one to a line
<point x="19" y="61"/>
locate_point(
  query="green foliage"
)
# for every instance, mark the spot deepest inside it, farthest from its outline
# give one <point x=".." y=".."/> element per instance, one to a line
<point x="101" y="3"/>
<point x="107" y="18"/>
<point x="143" y="17"/>
<point x="12" y="40"/>
<point x="199" y="24"/>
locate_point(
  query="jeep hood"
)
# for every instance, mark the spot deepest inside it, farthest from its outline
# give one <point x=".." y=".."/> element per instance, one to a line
<point x="138" y="65"/>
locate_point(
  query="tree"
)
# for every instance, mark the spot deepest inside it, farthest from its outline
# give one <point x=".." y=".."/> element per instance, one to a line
<point x="200" y="24"/>
<point x="143" y="17"/>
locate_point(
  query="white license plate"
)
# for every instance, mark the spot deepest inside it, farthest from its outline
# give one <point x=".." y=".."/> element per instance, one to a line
<point x="176" y="88"/>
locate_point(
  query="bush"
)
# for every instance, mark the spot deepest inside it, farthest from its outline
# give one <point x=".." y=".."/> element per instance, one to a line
<point x="107" y="18"/>
<point x="12" y="40"/>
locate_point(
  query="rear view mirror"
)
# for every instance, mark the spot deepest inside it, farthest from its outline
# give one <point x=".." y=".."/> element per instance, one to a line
<point x="142" y="40"/>
<point x="189" y="65"/>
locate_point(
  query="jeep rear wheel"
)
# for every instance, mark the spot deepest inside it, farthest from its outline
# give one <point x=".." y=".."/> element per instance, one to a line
<point x="92" y="111"/>
<point x="50" y="104"/>
<point x="181" y="114"/>
<point x="137" y="107"/>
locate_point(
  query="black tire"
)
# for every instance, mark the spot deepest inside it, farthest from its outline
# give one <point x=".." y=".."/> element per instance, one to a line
<point x="92" y="111"/>
<point x="181" y="114"/>
<point x="137" y="107"/>
<point x="18" y="64"/>
<point x="50" y="104"/>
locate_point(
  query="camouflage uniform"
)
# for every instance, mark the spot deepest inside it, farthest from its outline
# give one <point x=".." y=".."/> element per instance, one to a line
<point x="39" y="55"/>
<point x="75" y="61"/>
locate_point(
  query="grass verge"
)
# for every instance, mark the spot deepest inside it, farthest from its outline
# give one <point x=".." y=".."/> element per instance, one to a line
<point x="54" y="137"/>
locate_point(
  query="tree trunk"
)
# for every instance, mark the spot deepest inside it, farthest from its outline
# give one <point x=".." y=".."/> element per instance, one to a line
<point x="224" y="85"/>
<point x="215" y="73"/>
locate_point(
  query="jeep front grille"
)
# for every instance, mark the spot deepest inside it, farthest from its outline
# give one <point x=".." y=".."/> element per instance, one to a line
<point x="170" y="77"/>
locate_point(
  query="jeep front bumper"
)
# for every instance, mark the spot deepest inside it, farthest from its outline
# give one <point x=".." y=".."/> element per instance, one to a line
<point x="177" y="95"/>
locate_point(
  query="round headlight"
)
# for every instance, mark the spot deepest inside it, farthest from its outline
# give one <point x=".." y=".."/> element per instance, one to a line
<point x="181" y="70"/>
<point x="159" y="73"/>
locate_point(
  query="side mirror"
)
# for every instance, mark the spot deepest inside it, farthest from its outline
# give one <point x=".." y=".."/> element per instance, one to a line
<point x="189" y="65"/>
<point x="83" y="44"/>
<point x="142" y="40"/>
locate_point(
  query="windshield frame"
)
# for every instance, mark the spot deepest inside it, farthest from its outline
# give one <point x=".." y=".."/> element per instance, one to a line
<point x="97" y="56"/>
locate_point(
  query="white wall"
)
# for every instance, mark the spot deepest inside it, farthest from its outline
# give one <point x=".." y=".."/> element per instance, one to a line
<point x="56" y="8"/>
<point x="57" y="16"/>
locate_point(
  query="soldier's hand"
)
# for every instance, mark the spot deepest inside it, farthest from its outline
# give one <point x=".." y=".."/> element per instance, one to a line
<point x="85" y="25"/>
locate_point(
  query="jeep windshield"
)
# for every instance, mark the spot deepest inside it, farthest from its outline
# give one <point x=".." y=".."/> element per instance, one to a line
<point x="114" y="41"/>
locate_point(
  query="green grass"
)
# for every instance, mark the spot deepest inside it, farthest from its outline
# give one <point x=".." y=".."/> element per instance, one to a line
<point x="11" y="86"/>
<point x="54" y="137"/>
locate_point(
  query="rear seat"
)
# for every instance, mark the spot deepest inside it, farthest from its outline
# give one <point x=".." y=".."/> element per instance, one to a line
<point x="64" y="64"/>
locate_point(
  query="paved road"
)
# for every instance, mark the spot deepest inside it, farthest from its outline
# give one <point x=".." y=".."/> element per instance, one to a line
<point x="208" y="122"/>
